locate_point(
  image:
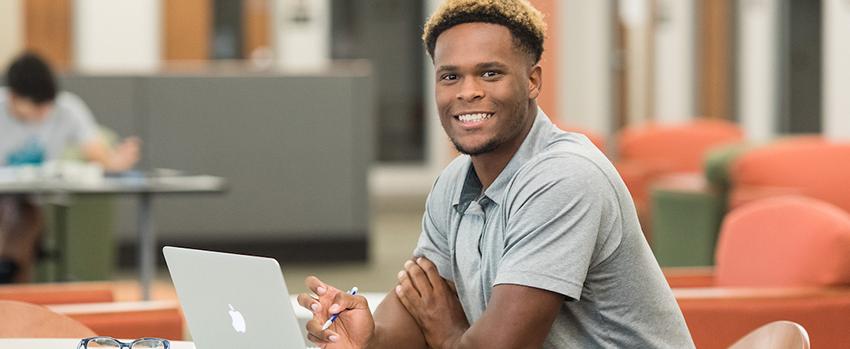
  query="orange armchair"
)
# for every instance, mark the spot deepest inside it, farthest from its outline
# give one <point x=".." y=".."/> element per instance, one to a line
<point x="780" y="258"/>
<point x="809" y="166"/>
<point x="649" y="152"/>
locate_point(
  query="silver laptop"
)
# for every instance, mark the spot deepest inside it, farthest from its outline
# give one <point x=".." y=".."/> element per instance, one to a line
<point x="233" y="301"/>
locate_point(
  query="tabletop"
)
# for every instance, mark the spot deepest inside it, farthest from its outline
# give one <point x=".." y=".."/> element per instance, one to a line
<point x="63" y="343"/>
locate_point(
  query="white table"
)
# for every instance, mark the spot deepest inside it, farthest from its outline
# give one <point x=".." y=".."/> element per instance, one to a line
<point x="140" y="186"/>
<point x="63" y="343"/>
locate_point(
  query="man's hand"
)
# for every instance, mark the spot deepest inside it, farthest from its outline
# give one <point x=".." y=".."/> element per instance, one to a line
<point x="432" y="302"/>
<point x="352" y="329"/>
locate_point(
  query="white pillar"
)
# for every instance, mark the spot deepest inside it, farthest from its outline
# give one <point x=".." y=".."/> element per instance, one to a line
<point x="585" y="70"/>
<point x="301" y="34"/>
<point x="437" y="144"/>
<point x="11" y="31"/>
<point x="836" y="69"/>
<point x="636" y="16"/>
<point x="758" y="66"/>
<point x="117" y="35"/>
<point x="675" y="69"/>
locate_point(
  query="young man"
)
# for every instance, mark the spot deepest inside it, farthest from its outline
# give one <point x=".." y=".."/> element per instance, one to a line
<point x="530" y="239"/>
<point x="38" y="123"/>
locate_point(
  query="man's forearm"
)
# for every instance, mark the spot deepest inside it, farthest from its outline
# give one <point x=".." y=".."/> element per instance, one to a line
<point x="394" y="327"/>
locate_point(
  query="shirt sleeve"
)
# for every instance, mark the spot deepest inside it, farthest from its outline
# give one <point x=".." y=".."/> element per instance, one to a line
<point x="433" y="241"/>
<point x="85" y="127"/>
<point x="563" y="210"/>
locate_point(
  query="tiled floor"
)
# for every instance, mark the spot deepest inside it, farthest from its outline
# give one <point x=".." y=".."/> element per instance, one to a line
<point x="395" y="229"/>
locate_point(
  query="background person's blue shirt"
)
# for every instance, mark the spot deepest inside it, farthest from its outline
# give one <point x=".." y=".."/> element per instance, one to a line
<point x="69" y="124"/>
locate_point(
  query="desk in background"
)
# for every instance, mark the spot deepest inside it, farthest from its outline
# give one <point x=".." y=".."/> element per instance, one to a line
<point x="143" y="187"/>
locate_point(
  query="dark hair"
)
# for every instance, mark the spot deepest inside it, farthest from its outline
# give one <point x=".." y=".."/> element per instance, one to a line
<point x="524" y="22"/>
<point x="30" y="77"/>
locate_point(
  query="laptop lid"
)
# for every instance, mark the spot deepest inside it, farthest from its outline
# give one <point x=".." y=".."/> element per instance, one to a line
<point x="233" y="301"/>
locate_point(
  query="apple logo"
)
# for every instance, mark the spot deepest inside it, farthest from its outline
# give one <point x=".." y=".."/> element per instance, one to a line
<point x="237" y="321"/>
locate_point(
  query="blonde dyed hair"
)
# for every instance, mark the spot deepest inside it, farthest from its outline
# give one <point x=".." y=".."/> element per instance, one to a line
<point x="523" y="20"/>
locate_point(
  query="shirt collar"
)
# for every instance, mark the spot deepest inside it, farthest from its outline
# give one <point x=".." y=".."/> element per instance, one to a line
<point x="531" y="145"/>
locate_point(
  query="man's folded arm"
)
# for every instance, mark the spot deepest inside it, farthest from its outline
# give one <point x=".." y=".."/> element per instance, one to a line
<point x="394" y="327"/>
<point x="516" y="317"/>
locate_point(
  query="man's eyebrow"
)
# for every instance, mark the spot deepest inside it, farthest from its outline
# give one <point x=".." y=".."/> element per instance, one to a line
<point x="446" y="68"/>
<point x="479" y="66"/>
<point x="494" y="64"/>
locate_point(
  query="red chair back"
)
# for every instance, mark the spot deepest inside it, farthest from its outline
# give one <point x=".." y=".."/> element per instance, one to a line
<point x="786" y="241"/>
<point x="810" y="166"/>
<point x="676" y="148"/>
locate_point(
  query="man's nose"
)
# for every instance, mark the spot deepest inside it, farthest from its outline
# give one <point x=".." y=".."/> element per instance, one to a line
<point x="470" y="90"/>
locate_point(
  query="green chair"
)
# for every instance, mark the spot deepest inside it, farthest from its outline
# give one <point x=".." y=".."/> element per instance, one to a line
<point x="687" y="210"/>
<point x="87" y="251"/>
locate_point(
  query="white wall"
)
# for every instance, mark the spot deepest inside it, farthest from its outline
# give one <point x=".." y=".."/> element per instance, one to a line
<point x="585" y="72"/>
<point x="758" y="66"/>
<point x="836" y="69"/>
<point x="301" y="45"/>
<point x="675" y="61"/>
<point x="11" y="30"/>
<point x="635" y="14"/>
<point x="117" y="35"/>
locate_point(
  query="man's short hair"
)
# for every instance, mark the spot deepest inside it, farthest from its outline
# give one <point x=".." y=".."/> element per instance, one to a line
<point x="30" y="77"/>
<point x="523" y="20"/>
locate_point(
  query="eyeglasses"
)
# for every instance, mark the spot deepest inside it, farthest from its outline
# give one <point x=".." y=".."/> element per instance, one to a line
<point x="112" y="343"/>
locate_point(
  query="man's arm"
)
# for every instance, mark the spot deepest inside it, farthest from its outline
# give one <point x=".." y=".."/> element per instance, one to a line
<point x="394" y="327"/>
<point x="516" y="316"/>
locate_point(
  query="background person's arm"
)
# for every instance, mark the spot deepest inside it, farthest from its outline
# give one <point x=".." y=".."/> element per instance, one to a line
<point x="120" y="158"/>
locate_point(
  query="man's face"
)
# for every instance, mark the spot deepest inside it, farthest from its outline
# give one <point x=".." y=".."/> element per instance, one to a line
<point x="28" y="111"/>
<point x="484" y="87"/>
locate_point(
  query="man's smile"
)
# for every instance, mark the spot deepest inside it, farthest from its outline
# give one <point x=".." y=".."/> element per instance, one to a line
<point x="473" y="119"/>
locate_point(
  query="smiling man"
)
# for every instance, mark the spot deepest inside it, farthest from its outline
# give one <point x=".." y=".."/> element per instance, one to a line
<point x="528" y="240"/>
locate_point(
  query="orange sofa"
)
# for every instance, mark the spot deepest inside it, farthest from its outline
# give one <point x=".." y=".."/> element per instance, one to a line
<point x="779" y="258"/>
<point x="94" y="305"/>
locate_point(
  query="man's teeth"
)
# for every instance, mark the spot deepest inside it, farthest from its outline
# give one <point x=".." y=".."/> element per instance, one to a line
<point x="474" y="117"/>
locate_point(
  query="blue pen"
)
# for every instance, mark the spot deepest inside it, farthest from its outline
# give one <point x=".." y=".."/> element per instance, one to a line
<point x="352" y="291"/>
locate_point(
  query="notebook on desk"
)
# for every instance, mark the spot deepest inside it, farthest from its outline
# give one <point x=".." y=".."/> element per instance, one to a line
<point x="233" y="301"/>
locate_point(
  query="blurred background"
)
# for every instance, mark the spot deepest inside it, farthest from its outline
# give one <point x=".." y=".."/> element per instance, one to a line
<point x="319" y="113"/>
<point x="320" y="116"/>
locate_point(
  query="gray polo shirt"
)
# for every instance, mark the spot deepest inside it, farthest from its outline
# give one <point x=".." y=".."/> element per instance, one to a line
<point x="558" y="218"/>
<point x="70" y="123"/>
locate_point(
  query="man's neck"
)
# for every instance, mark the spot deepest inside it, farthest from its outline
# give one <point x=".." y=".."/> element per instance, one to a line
<point x="488" y="166"/>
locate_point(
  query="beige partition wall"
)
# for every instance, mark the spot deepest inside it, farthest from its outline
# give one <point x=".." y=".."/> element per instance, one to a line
<point x="675" y="60"/>
<point x="11" y="29"/>
<point x="116" y="35"/>
<point x="836" y="69"/>
<point x="585" y="75"/>
<point x="757" y="55"/>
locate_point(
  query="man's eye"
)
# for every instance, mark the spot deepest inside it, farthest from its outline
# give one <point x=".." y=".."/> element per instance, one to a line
<point x="449" y="77"/>
<point x="490" y="74"/>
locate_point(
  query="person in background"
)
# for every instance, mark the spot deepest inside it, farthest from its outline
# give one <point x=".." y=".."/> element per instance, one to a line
<point x="530" y="239"/>
<point x="39" y="123"/>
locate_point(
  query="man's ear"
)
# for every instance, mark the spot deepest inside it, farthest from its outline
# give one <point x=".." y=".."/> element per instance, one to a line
<point x="535" y="81"/>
